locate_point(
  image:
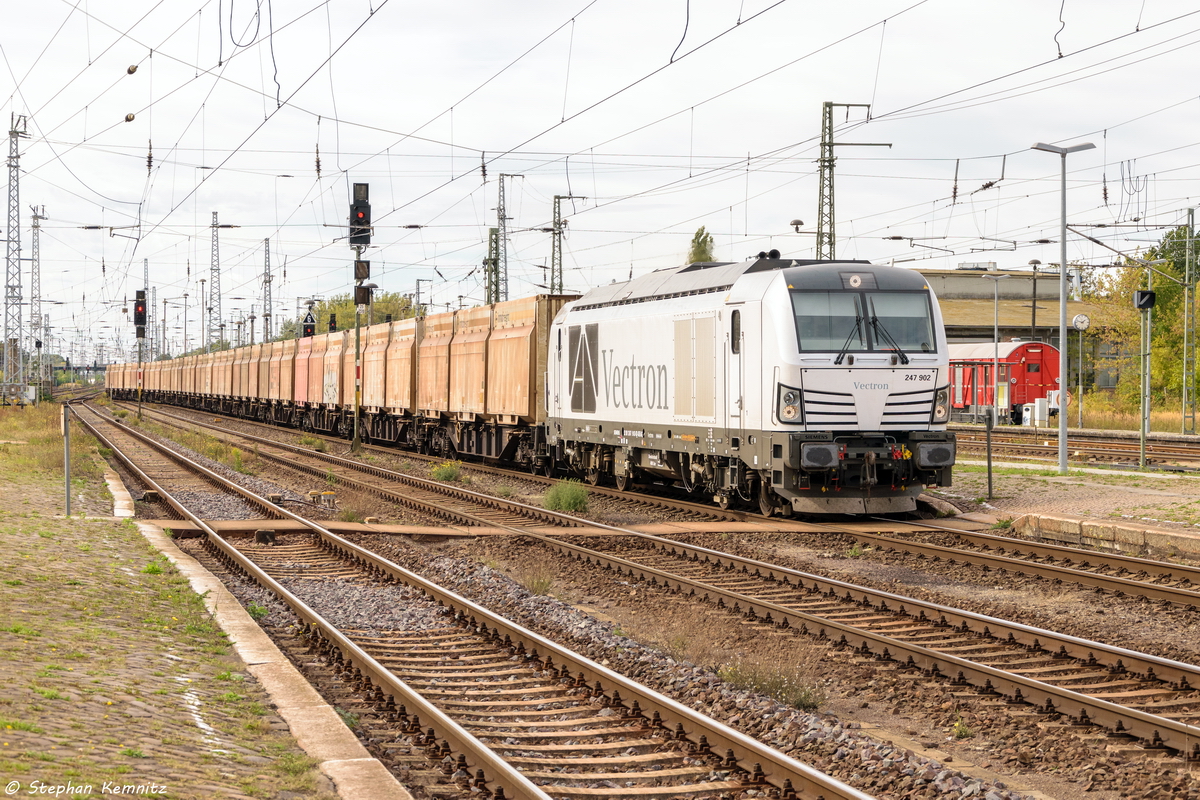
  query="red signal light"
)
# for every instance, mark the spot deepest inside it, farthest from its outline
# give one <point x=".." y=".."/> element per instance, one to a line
<point x="360" y="215"/>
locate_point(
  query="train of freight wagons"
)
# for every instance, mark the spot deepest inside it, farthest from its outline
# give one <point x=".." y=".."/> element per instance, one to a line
<point x="784" y="385"/>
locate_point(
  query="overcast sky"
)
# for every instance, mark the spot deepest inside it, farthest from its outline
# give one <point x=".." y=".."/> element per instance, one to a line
<point x="664" y="116"/>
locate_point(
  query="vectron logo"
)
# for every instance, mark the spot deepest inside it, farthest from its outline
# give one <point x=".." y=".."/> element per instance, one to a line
<point x="634" y="385"/>
<point x="858" y="385"/>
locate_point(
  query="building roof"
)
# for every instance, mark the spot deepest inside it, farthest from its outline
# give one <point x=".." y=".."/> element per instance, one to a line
<point x="981" y="312"/>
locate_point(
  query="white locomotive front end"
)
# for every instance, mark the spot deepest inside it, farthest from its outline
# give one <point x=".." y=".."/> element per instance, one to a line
<point x="798" y="386"/>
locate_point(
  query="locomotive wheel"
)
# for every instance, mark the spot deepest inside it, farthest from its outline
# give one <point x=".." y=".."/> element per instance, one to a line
<point x="766" y="503"/>
<point x="592" y="476"/>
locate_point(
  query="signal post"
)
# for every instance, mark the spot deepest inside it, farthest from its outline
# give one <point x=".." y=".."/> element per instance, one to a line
<point x="139" y="321"/>
<point x="360" y="237"/>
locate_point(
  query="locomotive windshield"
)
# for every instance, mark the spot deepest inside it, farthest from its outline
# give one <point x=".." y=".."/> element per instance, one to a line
<point x="847" y="322"/>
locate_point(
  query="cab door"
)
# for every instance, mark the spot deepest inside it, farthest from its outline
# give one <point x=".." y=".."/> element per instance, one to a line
<point x="735" y="346"/>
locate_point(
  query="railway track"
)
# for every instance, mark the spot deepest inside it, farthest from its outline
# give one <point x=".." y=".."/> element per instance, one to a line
<point x="437" y="499"/>
<point x="493" y="709"/>
<point x="1150" y="699"/>
<point x="1043" y="445"/>
<point x="1119" y="574"/>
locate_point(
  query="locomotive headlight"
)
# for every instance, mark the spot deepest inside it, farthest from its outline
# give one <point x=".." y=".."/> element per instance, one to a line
<point x="941" y="405"/>
<point x="789" y="405"/>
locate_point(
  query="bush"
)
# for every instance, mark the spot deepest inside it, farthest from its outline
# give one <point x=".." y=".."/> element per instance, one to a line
<point x="567" y="496"/>
<point x="446" y="471"/>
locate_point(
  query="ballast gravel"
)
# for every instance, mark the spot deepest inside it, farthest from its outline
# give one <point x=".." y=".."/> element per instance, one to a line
<point x="828" y="744"/>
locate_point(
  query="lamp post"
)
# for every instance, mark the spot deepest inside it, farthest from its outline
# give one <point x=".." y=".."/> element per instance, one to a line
<point x="203" y="327"/>
<point x="1033" y="316"/>
<point x="1081" y="323"/>
<point x="185" y="310"/>
<point x="993" y="417"/>
<point x="995" y="279"/>
<point x="1062" y="297"/>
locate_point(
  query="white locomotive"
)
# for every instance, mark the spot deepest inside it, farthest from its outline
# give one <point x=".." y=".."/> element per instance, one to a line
<point x="818" y="387"/>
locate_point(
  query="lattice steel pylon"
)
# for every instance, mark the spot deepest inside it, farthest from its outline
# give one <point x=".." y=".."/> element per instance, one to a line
<point x="502" y="234"/>
<point x="12" y="283"/>
<point x="826" y="236"/>
<point x="214" y="290"/>
<point x="491" y="269"/>
<point x="35" y="295"/>
<point x="266" y="315"/>
<point x="556" y="270"/>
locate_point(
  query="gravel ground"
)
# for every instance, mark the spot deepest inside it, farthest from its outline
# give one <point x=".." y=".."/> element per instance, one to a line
<point x="1021" y="749"/>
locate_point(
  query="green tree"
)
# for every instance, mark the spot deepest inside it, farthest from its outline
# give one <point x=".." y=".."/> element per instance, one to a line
<point x="1122" y="322"/>
<point x="342" y="307"/>
<point x="702" y="247"/>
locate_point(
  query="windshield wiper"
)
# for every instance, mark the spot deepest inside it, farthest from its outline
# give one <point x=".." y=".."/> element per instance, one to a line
<point x="846" y="346"/>
<point x="879" y="329"/>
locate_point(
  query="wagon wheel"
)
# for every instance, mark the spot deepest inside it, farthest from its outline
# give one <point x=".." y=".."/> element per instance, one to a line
<point x="534" y="467"/>
<point x="623" y="481"/>
<point x="723" y="502"/>
<point x="592" y="476"/>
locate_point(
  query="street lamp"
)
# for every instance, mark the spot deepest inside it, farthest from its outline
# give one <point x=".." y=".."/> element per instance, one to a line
<point x="995" y="279"/>
<point x="1033" y="319"/>
<point x="1062" y="298"/>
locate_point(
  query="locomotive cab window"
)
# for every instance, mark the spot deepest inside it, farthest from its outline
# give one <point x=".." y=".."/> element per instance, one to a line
<point x="735" y="332"/>
<point x="847" y="322"/>
<point x="829" y="321"/>
<point x="903" y="317"/>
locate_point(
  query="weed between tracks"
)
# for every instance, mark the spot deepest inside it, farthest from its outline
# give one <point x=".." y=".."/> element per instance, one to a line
<point x="788" y="670"/>
<point x="208" y="446"/>
<point x="447" y="471"/>
<point x="570" y="496"/>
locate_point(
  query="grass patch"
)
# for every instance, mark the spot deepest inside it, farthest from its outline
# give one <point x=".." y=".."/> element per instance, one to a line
<point x="295" y="763"/>
<point x="787" y="683"/>
<point x="447" y="471"/>
<point x="537" y="577"/>
<point x="257" y="611"/>
<point x="350" y="718"/>
<point x="1002" y="524"/>
<point x="350" y="515"/>
<point x="570" y="496"/>
<point x="18" y="725"/>
<point x="153" y="568"/>
<point x="21" y="630"/>
<point x="312" y="442"/>
<point x="133" y="752"/>
<point x="855" y="551"/>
